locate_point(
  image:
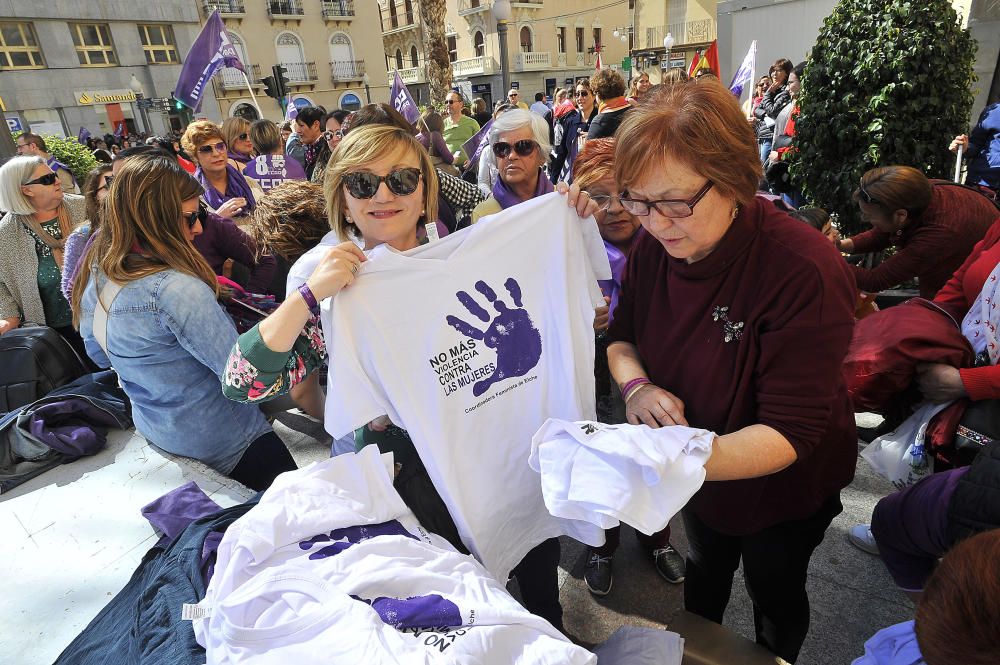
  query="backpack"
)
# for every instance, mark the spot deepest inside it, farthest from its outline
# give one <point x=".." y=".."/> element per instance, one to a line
<point x="35" y="360"/>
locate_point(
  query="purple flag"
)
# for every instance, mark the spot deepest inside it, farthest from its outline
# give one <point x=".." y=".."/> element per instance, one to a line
<point x="83" y="136"/>
<point x="210" y="51"/>
<point x="401" y="100"/>
<point x="475" y="146"/>
<point x="120" y="128"/>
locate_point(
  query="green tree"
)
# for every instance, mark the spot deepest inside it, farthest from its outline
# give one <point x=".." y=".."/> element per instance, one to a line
<point x="70" y="152"/>
<point x="888" y="82"/>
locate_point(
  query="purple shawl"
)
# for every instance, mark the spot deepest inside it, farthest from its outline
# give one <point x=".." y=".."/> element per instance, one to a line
<point x="612" y="288"/>
<point x="236" y="187"/>
<point x="506" y="198"/>
<point x="239" y="157"/>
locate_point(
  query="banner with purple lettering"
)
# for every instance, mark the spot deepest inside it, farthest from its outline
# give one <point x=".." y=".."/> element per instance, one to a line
<point x="272" y="170"/>
<point x="210" y="51"/>
<point x="475" y="146"/>
<point x="401" y="100"/>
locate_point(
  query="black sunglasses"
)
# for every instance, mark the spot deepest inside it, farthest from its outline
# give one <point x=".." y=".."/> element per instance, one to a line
<point x="364" y="185"/>
<point x="581" y="93"/>
<point x="524" y="147"/>
<point x="47" y="179"/>
<point x="244" y="137"/>
<point x="865" y="196"/>
<point x="192" y="218"/>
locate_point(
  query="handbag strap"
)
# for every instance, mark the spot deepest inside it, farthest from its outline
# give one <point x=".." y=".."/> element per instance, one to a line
<point x="107" y="294"/>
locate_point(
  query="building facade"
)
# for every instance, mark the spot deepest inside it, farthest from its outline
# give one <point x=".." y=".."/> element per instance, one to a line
<point x="691" y="23"/>
<point x="330" y="49"/>
<point x="549" y="44"/>
<point x="86" y="64"/>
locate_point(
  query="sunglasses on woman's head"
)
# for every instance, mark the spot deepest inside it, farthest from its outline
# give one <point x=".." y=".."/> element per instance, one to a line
<point x="364" y="184"/>
<point x="524" y="147"/>
<point x="865" y="196"/>
<point x="47" y="179"/>
<point x="209" y="149"/>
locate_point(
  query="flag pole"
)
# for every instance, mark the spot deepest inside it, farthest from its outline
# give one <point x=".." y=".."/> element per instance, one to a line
<point x="751" y="85"/>
<point x="252" y="96"/>
<point x="958" y="164"/>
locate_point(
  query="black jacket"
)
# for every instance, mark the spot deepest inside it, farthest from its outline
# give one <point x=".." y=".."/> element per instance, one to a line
<point x="605" y="124"/>
<point x="770" y="107"/>
<point x="975" y="505"/>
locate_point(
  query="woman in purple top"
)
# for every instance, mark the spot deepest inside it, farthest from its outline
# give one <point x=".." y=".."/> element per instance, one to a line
<point x="226" y="190"/>
<point x="430" y="125"/>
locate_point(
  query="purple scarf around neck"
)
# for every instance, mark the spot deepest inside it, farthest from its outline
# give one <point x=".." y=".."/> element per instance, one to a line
<point x="506" y="198"/>
<point x="239" y="157"/>
<point x="236" y="187"/>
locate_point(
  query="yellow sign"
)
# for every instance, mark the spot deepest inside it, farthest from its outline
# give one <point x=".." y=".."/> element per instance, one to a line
<point x="92" y="97"/>
<point x="3" y="107"/>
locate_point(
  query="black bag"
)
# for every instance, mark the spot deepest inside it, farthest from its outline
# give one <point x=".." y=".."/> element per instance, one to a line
<point x="33" y="362"/>
<point x="979" y="427"/>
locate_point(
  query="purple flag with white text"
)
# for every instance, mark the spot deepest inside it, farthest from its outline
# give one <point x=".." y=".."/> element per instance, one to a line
<point x="401" y="100"/>
<point x="475" y="146"/>
<point x="211" y="50"/>
<point x="746" y="71"/>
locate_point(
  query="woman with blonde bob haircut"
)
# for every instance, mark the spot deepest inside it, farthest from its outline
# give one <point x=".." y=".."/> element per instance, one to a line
<point x="145" y="303"/>
<point x="736" y="318"/>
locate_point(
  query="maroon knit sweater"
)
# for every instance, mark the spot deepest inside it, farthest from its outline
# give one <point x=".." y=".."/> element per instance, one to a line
<point x="794" y="295"/>
<point x="932" y="246"/>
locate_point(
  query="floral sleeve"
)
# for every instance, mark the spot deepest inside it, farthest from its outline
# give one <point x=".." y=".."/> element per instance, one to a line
<point x="255" y="373"/>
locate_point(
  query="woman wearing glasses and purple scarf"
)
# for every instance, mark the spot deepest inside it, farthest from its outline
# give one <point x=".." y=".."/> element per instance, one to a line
<point x="736" y="318"/>
<point x="227" y="192"/>
<point x="520" y="141"/>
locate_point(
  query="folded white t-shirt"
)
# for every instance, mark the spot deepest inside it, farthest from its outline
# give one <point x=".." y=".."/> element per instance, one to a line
<point x="606" y="474"/>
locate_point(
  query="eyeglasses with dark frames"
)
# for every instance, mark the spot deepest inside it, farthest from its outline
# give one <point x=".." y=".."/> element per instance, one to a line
<point x="524" y="147"/>
<point x="676" y="208"/>
<point x="49" y="178"/>
<point x="364" y="184"/>
<point x="209" y="149"/>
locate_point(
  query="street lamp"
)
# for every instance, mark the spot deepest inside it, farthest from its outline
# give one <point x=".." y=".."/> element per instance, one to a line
<point x="136" y="87"/>
<point x="668" y="43"/>
<point x="502" y="13"/>
<point x="367" y="82"/>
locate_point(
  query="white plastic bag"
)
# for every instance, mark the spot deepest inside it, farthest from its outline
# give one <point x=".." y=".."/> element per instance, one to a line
<point x="899" y="456"/>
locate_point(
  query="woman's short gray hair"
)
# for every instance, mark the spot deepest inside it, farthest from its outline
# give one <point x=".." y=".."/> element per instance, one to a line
<point x="13" y="175"/>
<point x="516" y="119"/>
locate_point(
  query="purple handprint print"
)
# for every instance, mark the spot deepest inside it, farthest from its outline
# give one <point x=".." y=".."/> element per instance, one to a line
<point x="510" y="333"/>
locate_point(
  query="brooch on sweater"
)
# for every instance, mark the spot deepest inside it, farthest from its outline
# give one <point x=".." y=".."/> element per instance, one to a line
<point x="732" y="330"/>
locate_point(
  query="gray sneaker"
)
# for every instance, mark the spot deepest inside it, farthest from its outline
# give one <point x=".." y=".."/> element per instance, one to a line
<point x="597" y="575"/>
<point x="860" y="535"/>
<point x="669" y="564"/>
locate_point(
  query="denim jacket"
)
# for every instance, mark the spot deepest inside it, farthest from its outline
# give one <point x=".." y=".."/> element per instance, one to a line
<point x="169" y="339"/>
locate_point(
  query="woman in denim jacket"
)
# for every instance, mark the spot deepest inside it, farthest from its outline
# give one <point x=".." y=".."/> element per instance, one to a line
<point x="167" y="337"/>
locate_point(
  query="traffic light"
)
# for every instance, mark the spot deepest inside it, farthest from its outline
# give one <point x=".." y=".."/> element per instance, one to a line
<point x="176" y="103"/>
<point x="281" y="80"/>
<point x="271" y="87"/>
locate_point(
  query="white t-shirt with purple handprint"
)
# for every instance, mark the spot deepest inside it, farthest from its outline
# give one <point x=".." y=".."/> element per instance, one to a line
<point x="470" y="343"/>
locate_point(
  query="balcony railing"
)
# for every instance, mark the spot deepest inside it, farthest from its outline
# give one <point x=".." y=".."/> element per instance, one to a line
<point x="409" y="75"/>
<point x="528" y="62"/>
<point x="338" y="9"/>
<point x="466" y="7"/>
<point x="284" y="8"/>
<point x="225" y="7"/>
<point x="232" y="79"/>
<point x="533" y="4"/>
<point x="484" y="64"/>
<point x="401" y="21"/>
<point x="300" y="72"/>
<point x="683" y="32"/>
<point x="347" y="70"/>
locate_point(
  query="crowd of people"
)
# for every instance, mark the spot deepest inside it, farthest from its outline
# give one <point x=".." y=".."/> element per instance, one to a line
<point x="727" y="310"/>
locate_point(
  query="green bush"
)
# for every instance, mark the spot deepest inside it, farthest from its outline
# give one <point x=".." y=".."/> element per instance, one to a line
<point x="888" y="82"/>
<point x="70" y="152"/>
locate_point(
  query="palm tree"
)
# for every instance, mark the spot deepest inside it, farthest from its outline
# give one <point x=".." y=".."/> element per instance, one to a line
<point x="432" y="13"/>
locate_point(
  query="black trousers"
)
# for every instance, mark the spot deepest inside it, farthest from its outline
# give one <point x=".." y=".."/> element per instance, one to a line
<point x="538" y="578"/>
<point x="262" y="462"/>
<point x="775" y="562"/>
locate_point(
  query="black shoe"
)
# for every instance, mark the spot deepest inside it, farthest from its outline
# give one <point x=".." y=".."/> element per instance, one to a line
<point x="597" y="575"/>
<point x="669" y="564"/>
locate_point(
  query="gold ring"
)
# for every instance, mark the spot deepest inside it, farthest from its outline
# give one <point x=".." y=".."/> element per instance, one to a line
<point x="354" y="269"/>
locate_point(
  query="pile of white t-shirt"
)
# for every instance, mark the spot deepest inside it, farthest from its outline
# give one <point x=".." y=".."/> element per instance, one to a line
<point x="331" y="567"/>
<point x="469" y="343"/>
<point x="606" y="474"/>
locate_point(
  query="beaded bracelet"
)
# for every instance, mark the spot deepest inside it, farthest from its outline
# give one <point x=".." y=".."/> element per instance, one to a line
<point x="631" y="387"/>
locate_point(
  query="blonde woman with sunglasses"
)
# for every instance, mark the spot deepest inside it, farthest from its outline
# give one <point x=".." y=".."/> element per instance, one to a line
<point x="32" y="240"/>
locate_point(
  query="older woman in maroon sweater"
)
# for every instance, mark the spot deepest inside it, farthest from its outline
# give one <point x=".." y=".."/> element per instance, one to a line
<point x="735" y="317"/>
<point x="934" y="224"/>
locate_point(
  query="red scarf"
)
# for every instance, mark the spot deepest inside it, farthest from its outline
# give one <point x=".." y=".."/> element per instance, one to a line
<point x="613" y="104"/>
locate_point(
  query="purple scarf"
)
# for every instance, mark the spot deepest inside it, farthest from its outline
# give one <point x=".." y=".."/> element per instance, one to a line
<point x="612" y="288"/>
<point x="236" y="187"/>
<point x="239" y="157"/>
<point x="506" y="198"/>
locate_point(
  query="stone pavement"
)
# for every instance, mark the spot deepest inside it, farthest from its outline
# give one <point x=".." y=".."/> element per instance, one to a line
<point x="851" y="593"/>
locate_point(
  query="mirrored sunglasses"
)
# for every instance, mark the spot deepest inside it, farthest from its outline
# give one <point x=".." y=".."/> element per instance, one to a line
<point x="364" y="185"/>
